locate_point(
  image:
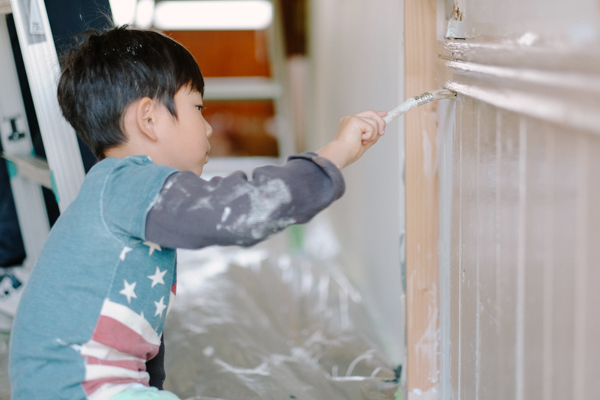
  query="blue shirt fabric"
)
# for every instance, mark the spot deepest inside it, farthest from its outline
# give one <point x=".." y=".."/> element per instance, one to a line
<point x="95" y="258"/>
<point x="94" y="308"/>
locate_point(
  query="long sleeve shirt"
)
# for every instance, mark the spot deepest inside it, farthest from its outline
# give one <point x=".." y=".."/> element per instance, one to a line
<point x="94" y="308"/>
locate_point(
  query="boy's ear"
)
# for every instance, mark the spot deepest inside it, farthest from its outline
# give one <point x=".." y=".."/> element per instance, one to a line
<point x="145" y="117"/>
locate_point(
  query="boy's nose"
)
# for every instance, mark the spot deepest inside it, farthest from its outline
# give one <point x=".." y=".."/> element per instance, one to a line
<point x="209" y="130"/>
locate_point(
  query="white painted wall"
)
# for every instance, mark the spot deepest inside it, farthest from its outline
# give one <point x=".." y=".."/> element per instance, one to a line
<point x="356" y="63"/>
<point x="520" y="222"/>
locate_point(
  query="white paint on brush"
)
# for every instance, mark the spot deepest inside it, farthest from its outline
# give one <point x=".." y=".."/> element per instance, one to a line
<point x="400" y="110"/>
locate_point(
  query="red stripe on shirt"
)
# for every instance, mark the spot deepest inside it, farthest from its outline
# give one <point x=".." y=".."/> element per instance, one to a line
<point x="113" y="333"/>
<point x="134" y="365"/>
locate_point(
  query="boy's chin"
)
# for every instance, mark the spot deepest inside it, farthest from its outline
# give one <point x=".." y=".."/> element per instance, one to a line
<point x="198" y="170"/>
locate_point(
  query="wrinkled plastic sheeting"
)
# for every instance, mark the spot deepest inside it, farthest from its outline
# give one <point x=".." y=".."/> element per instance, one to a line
<point x="267" y="323"/>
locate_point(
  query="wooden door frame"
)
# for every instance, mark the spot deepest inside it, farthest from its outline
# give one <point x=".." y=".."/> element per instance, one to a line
<point x="422" y="217"/>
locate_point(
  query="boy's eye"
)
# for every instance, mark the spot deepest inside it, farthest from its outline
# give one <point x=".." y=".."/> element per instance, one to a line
<point x="200" y="108"/>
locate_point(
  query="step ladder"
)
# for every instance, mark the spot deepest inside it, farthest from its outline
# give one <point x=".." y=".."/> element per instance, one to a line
<point x="63" y="171"/>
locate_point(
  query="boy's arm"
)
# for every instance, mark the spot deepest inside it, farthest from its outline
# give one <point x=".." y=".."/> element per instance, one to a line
<point x="193" y="213"/>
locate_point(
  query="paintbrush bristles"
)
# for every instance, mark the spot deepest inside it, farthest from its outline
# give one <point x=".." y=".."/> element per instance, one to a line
<point x="443" y="94"/>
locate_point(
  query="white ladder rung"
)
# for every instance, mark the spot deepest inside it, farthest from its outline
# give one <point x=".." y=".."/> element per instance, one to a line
<point x="5" y="7"/>
<point x="32" y="167"/>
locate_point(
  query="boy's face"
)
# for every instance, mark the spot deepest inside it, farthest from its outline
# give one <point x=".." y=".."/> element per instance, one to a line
<point x="186" y="146"/>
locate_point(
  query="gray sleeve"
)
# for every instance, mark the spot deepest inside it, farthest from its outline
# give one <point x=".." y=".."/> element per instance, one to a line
<point x="192" y="213"/>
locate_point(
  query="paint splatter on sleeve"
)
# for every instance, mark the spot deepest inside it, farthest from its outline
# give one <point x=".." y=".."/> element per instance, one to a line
<point x="192" y="213"/>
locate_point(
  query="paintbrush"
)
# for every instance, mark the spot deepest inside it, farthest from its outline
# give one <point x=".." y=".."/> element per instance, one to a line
<point x="418" y="101"/>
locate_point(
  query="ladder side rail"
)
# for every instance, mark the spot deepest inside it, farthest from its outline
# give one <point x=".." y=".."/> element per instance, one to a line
<point x="41" y="64"/>
<point x="27" y="194"/>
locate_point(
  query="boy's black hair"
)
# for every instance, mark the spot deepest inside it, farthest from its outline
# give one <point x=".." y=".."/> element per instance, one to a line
<point x="110" y="69"/>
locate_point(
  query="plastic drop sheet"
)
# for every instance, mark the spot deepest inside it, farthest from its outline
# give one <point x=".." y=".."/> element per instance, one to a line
<point x="270" y="323"/>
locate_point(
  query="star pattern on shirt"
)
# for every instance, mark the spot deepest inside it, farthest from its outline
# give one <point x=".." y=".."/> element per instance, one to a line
<point x="160" y="306"/>
<point x="158" y="277"/>
<point x="124" y="252"/>
<point x="150" y="299"/>
<point x="152" y="246"/>
<point x="129" y="290"/>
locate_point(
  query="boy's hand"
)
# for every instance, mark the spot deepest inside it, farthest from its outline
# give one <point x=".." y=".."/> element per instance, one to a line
<point x="355" y="134"/>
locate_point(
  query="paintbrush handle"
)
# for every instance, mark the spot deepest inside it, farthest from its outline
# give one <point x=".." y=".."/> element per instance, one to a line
<point x="417" y="101"/>
<point x="400" y="110"/>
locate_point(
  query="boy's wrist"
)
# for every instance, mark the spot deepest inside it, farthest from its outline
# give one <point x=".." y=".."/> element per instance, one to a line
<point x="337" y="152"/>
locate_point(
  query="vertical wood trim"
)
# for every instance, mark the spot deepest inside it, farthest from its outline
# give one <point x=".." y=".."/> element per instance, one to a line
<point x="421" y="203"/>
<point x="548" y="294"/>
<point x="580" y="305"/>
<point x="521" y="263"/>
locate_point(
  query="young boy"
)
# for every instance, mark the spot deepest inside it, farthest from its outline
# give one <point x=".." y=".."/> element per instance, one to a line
<point x="93" y="310"/>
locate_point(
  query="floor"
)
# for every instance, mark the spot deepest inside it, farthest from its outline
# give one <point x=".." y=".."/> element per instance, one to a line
<point x="268" y="323"/>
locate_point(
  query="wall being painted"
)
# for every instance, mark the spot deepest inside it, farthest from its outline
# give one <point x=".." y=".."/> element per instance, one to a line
<point x="356" y="55"/>
<point x="519" y="215"/>
<point x="523" y="258"/>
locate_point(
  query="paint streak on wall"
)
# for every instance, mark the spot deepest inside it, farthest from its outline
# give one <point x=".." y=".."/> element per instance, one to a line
<point x="520" y="227"/>
<point x="427" y="156"/>
<point x="522" y="273"/>
<point x="427" y="348"/>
